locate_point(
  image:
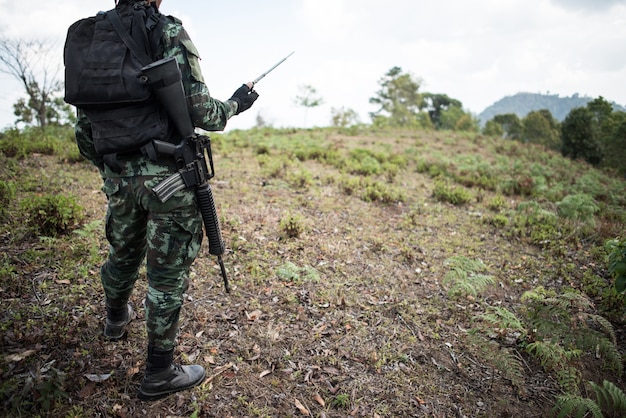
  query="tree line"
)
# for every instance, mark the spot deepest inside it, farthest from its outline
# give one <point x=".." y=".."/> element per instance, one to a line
<point x="595" y="133"/>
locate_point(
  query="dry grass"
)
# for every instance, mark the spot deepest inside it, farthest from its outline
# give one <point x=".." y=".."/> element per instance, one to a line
<point x="348" y="318"/>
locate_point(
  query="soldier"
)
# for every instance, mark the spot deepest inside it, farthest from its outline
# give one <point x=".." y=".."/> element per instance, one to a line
<point x="167" y="235"/>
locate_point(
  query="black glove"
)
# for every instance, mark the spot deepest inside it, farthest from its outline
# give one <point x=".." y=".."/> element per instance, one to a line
<point x="244" y="96"/>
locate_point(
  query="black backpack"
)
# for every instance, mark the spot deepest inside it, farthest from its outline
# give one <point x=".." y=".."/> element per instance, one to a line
<point x="103" y="57"/>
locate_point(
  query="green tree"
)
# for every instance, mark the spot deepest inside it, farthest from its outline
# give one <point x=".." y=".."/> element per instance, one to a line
<point x="539" y="127"/>
<point x="436" y="104"/>
<point x="577" y="136"/>
<point x="493" y="128"/>
<point x="343" y="117"/>
<point x="510" y="124"/>
<point x="615" y="146"/>
<point x="399" y="100"/>
<point x="456" y="119"/>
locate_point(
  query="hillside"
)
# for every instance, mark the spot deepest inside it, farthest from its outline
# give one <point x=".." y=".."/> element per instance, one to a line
<point x="374" y="274"/>
<point x="523" y="103"/>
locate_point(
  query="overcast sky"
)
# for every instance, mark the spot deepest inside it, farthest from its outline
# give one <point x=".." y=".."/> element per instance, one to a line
<point x="475" y="51"/>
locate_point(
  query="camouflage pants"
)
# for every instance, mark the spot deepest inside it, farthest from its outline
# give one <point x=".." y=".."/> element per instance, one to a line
<point x="167" y="235"/>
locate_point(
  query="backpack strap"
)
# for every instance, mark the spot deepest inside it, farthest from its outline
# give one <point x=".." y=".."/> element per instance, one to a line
<point x="128" y="40"/>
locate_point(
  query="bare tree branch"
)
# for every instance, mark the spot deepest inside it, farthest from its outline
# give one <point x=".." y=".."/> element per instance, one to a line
<point x="31" y="63"/>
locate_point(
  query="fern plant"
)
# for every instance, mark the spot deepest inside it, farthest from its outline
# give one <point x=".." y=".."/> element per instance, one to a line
<point x="609" y="399"/>
<point x="464" y="277"/>
<point x="565" y="320"/>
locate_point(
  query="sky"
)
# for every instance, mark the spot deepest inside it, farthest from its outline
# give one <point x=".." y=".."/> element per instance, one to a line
<point x="475" y="51"/>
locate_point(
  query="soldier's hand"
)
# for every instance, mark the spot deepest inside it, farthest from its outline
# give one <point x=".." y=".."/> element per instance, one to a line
<point x="245" y="97"/>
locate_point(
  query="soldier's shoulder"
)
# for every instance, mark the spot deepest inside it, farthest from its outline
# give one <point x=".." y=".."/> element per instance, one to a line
<point x="174" y="20"/>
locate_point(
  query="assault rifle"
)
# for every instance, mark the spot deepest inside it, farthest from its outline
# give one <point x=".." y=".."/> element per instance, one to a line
<point x="193" y="153"/>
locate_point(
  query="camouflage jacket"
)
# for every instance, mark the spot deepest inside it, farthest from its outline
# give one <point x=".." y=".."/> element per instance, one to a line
<point x="206" y="112"/>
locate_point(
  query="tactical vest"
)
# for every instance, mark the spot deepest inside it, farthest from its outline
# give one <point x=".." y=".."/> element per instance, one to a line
<point x="104" y="56"/>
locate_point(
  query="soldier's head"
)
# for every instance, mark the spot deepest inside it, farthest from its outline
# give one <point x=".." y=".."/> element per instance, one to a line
<point x="158" y="2"/>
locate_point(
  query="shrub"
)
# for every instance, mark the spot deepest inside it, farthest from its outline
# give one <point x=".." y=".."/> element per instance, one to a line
<point x="50" y="215"/>
<point x="292" y="225"/>
<point x="456" y="195"/>
<point x="578" y="207"/>
<point x="616" y="250"/>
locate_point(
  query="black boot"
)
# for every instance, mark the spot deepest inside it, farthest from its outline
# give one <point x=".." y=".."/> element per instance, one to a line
<point x="117" y="319"/>
<point x="163" y="377"/>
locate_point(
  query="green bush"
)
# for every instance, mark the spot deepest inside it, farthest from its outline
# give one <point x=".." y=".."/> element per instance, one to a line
<point x="616" y="250"/>
<point x="50" y="215"/>
<point x="578" y="207"/>
<point x="456" y="195"/>
<point x="293" y="225"/>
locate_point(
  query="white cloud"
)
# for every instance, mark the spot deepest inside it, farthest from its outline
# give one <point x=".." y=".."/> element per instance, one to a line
<point x="476" y="52"/>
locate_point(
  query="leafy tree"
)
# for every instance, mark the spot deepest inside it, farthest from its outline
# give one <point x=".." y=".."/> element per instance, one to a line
<point x="29" y="62"/>
<point x="577" y="135"/>
<point x="435" y="104"/>
<point x="539" y="127"/>
<point x="343" y="117"/>
<point x="510" y="125"/>
<point x="399" y="100"/>
<point x="456" y="119"/>
<point x="493" y="128"/>
<point x="615" y="146"/>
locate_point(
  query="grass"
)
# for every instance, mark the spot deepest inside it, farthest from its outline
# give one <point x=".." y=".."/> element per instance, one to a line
<point x="340" y="249"/>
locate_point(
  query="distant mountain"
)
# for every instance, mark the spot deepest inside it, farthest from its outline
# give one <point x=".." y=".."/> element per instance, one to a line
<point x="523" y="103"/>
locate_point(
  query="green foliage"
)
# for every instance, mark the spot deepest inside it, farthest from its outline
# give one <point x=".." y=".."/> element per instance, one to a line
<point x="344" y="118"/>
<point x="577" y="137"/>
<point x="446" y="192"/>
<point x="297" y="275"/>
<point x="578" y="207"/>
<point x="370" y="190"/>
<point x="464" y="277"/>
<point x="398" y="99"/>
<point x="293" y="225"/>
<point x="570" y="405"/>
<point x="509" y="124"/>
<point x="50" y="215"/>
<point x="7" y="196"/>
<point x="564" y="326"/>
<point x="534" y="223"/>
<point x="616" y="257"/>
<point x="610" y="398"/>
<point x="539" y="127"/>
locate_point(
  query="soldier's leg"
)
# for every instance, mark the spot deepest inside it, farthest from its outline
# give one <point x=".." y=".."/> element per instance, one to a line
<point x="126" y="233"/>
<point x="174" y="238"/>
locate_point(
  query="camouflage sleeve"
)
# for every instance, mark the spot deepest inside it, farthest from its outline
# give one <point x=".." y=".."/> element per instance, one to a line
<point x="206" y="112"/>
<point x="82" y="130"/>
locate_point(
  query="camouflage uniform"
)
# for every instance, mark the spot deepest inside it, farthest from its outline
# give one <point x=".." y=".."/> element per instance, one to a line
<point x="138" y="225"/>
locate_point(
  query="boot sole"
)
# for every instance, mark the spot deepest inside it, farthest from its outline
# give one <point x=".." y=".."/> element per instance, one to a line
<point x="158" y="395"/>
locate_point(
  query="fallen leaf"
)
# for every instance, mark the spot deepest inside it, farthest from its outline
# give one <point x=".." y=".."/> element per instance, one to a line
<point x="319" y="400"/>
<point x="64" y="281"/>
<point x="265" y="373"/>
<point x="254" y="315"/>
<point x="98" y="377"/>
<point x="14" y="358"/>
<point x="302" y="408"/>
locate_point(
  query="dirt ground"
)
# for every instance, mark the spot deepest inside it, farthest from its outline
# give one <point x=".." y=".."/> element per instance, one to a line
<point x="348" y="319"/>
